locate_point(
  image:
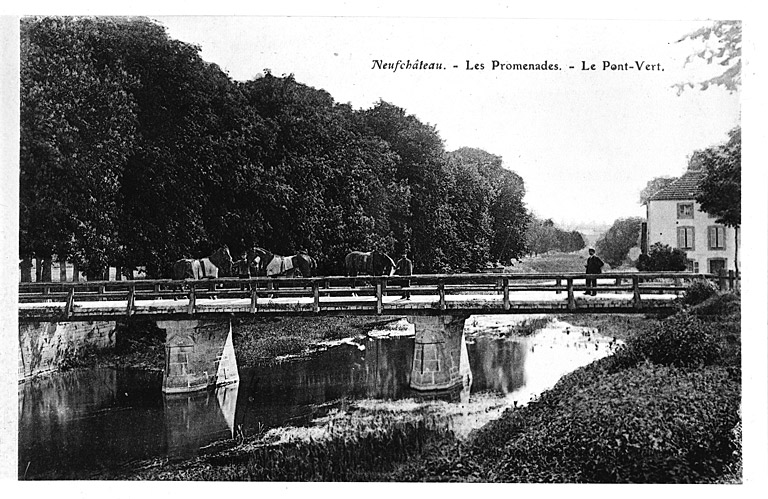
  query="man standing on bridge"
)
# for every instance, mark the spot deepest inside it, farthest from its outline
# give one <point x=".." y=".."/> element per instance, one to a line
<point x="405" y="267"/>
<point x="242" y="269"/>
<point x="594" y="266"/>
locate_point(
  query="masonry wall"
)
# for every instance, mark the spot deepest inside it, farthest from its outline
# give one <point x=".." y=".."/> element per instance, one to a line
<point x="45" y="346"/>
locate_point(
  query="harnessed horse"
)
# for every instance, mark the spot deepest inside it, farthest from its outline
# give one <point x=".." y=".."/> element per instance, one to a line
<point x="204" y="268"/>
<point x="266" y="263"/>
<point x="269" y="264"/>
<point x="371" y="262"/>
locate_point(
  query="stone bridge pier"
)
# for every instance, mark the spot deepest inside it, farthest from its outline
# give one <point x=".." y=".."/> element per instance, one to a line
<point x="198" y="354"/>
<point x="440" y="358"/>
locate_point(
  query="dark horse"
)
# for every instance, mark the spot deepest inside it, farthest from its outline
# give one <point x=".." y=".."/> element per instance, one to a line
<point x="269" y="264"/>
<point x="204" y="268"/>
<point x="372" y="263"/>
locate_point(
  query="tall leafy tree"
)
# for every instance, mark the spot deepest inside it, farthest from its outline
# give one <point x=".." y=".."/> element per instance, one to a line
<point x="78" y="130"/>
<point x="469" y="199"/>
<point x="336" y="184"/>
<point x="622" y="236"/>
<point x="720" y="191"/>
<point x="420" y="164"/>
<point x="176" y="177"/>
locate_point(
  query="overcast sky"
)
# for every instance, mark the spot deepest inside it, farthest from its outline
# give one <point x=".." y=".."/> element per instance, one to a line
<point x="585" y="142"/>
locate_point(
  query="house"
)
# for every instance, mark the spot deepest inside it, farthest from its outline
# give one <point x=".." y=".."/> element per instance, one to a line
<point x="675" y="218"/>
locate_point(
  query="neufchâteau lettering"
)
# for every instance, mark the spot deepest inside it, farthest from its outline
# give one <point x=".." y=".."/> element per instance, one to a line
<point x="405" y="65"/>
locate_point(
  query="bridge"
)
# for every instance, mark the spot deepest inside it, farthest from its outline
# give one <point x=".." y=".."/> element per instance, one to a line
<point x="197" y="314"/>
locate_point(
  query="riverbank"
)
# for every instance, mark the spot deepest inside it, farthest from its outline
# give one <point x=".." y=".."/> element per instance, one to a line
<point x="664" y="409"/>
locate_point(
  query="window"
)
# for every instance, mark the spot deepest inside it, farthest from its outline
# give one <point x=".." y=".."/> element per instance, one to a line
<point x="684" y="210"/>
<point x="692" y="266"/>
<point x="685" y="240"/>
<point x="716" y="265"/>
<point x="716" y="237"/>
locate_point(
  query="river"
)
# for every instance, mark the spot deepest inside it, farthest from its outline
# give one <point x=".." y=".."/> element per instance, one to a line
<point x="76" y="424"/>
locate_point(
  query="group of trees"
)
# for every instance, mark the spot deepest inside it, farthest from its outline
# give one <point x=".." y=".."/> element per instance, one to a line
<point x="136" y="152"/>
<point x="544" y="236"/>
<point x="613" y="246"/>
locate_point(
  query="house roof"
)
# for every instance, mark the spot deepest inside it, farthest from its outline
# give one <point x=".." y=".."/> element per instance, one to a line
<point x="686" y="187"/>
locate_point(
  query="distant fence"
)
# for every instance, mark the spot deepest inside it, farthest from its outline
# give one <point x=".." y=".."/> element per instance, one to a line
<point x="52" y="270"/>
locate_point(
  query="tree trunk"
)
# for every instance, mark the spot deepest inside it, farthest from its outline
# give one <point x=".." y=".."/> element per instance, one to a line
<point x="736" y="251"/>
<point x="26" y="270"/>
<point x="62" y="271"/>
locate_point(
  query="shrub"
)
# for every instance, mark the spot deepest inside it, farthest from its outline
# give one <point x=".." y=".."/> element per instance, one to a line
<point x="682" y="340"/>
<point x="719" y="305"/>
<point x="662" y="257"/>
<point x="647" y="424"/>
<point x="699" y="291"/>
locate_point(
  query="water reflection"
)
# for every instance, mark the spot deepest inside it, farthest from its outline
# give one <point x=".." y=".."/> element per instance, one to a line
<point x="195" y="420"/>
<point x="78" y="422"/>
<point x="497" y="364"/>
<point x="72" y="425"/>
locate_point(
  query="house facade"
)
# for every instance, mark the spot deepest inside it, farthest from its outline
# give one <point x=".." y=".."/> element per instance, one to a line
<point x="675" y="218"/>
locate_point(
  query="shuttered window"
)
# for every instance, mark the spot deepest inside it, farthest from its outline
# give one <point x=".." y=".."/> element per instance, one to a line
<point x="685" y="238"/>
<point x="684" y="210"/>
<point x="716" y="237"/>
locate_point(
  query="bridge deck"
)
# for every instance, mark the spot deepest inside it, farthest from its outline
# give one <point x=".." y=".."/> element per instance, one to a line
<point x="392" y="304"/>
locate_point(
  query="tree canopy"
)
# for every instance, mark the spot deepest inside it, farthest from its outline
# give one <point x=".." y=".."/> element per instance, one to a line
<point x="622" y="236"/>
<point x="720" y="44"/>
<point x="544" y="236"/>
<point x="720" y="191"/>
<point x="136" y="152"/>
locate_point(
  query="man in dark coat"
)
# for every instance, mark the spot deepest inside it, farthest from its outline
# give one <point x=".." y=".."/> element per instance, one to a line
<point x="242" y="269"/>
<point x="594" y="266"/>
<point x="405" y="267"/>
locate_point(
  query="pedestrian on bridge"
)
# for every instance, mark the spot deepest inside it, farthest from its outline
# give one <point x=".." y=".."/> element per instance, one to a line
<point x="242" y="269"/>
<point x="404" y="267"/>
<point x="594" y="266"/>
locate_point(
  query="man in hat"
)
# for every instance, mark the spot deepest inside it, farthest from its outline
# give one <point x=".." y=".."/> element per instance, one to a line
<point x="405" y="267"/>
<point x="594" y="266"/>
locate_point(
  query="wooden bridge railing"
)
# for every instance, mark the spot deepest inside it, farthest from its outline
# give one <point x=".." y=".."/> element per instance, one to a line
<point x="439" y="285"/>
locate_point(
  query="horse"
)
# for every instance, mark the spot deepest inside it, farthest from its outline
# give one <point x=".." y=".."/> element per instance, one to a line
<point x="204" y="268"/>
<point x="372" y="263"/>
<point x="269" y="264"/>
<point x="266" y="263"/>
